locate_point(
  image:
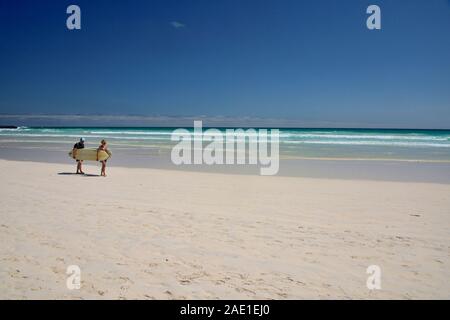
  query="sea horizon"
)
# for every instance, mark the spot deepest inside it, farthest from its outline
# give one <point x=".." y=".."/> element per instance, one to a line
<point x="7" y="126"/>
<point x="51" y="120"/>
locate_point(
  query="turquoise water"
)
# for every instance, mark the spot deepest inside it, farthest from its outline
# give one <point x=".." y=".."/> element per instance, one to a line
<point x="427" y="145"/>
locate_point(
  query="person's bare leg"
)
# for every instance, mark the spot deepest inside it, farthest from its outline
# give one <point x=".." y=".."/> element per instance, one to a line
<point x="103" y="173"/>
<point x="81" y="168"/>
<point x="78" y="167"/>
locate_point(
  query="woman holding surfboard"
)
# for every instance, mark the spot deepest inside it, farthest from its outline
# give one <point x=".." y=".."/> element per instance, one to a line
<point x="102" y="147"/>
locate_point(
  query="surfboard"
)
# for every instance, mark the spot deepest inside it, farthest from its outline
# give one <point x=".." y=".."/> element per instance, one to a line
<point x="90" y="154"/>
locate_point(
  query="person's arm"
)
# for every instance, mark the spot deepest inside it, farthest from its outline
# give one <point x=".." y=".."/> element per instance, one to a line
<point x="74" y="153"/>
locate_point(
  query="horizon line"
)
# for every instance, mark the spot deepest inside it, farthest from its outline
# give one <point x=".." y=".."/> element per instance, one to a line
<point x="171" y="121"/>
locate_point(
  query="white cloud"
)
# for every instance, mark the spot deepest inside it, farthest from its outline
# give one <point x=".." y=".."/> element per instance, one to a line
<point x="177" y="24"/>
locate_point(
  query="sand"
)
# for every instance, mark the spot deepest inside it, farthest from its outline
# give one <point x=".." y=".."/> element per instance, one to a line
<point x="161" y="234"/>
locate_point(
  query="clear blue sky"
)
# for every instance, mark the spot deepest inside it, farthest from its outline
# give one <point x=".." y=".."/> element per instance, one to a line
<point x="308" y="60"/>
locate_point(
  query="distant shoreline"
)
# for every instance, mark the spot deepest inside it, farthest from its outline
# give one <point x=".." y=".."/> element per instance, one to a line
<point x="362" y="129"/>
<point x="186" y="121"/>
<point x="330" y="169"/>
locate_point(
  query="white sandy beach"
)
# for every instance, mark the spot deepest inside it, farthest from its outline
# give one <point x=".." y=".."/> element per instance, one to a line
<point x="160" y="234"/>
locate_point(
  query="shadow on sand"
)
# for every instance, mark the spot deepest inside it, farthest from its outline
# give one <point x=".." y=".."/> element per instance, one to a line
<point x="77" y="174"/>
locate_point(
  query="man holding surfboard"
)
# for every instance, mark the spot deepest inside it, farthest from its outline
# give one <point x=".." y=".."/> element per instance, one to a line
<point x="76" y="147"/>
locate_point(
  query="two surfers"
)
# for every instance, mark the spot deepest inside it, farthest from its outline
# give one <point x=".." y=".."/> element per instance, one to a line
<point x="80" y="145"/>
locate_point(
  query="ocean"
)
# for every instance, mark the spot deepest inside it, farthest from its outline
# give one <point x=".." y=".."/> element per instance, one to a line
<point x="295" y="143"/>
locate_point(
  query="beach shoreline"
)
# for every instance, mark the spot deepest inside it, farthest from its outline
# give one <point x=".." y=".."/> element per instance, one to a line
<point x="409" y="155"/>
<point x="347" y="169"/>
<point x="233" y="237"/>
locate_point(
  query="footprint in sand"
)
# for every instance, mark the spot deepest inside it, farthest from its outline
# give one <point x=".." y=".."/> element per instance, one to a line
<point x="184" y="282"/>
<point x="168" y="293"/>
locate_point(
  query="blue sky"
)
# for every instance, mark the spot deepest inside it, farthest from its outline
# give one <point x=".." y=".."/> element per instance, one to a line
<point x="309" y="60"/>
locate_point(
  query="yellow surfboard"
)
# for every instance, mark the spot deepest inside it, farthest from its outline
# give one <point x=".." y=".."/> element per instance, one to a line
<point x="90" y="154"/>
